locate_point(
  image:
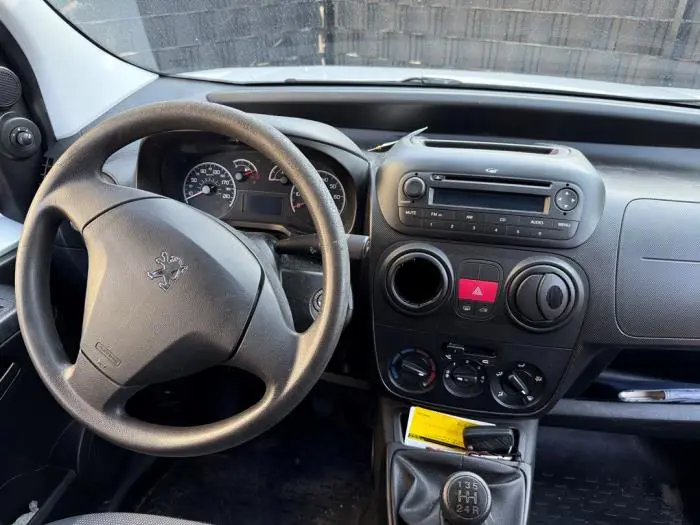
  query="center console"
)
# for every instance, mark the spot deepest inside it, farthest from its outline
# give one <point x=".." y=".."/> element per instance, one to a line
<point x="429" y="487"/>
<point x="476" y="306"/>
<point x="476" y="310"/>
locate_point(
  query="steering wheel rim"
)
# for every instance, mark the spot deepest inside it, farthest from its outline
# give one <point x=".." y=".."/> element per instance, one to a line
<point x="111" y="367"/>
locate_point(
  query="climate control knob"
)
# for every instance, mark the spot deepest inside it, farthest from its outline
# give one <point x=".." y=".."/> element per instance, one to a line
<point x="518" y="386"/>
<point x="413" y="370"/>
<point x="464" y="378"/>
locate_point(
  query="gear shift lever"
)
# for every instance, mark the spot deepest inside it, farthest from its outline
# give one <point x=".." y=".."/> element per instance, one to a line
<point x="465" y="499"/>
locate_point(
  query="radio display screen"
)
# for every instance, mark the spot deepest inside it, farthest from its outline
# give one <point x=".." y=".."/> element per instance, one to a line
<point x="489" y="199"/>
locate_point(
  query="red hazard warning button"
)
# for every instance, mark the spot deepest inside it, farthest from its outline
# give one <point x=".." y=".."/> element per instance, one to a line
<point x="473" y="290"/>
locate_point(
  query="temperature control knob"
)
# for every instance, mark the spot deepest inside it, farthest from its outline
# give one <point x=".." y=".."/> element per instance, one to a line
<point x="464" y="378"/>
<point x="413" y="370"/>
<point x="520" y="386"/>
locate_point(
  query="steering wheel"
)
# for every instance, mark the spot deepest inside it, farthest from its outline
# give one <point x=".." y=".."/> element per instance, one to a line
<point x="172" y="291"/>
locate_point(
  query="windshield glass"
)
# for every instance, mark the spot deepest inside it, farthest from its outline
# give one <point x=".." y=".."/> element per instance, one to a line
<point x="640" y="42"/>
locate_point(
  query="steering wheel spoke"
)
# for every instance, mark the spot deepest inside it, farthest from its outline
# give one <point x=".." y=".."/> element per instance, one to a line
<point x="271" y="349"/>
<point x="86" y="196"/>
<point x="96" y="389"/>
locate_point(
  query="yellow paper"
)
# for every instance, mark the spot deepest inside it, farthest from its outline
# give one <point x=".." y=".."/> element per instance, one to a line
<point x="431" y="429"/>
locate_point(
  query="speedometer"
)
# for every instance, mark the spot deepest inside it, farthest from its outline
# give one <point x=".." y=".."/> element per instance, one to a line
<point x="335" y="187"/>
<point x="211" y="188"/>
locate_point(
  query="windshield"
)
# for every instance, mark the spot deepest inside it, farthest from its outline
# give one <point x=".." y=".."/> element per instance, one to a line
<point x="640" y="42"/>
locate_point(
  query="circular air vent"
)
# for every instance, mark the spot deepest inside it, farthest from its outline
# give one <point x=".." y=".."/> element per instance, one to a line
<point x="542" y="294"/>
<point x="417" y="279"/>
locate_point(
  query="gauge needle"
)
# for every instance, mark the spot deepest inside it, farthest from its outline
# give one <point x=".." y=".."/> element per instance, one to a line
<point x="206" y="190"/>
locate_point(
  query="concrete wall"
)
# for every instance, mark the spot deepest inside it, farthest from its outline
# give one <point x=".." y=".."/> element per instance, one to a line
<point x="640" y="41"/>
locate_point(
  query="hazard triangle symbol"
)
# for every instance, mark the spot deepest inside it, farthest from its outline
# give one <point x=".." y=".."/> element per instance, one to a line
<point x="477" y="291"/>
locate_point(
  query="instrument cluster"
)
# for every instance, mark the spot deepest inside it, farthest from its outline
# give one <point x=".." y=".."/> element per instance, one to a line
<point x="241" y="185"/>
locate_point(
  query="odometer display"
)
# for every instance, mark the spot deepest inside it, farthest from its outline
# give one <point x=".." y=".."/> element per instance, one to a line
<point x="211" y="188"/>
<point x="334" y="186"/>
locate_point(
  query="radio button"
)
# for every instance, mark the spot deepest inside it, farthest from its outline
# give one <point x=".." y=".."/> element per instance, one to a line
<point x="440" y="214"/>
<point x="565" y="225"/>
<point x="440" y="225"/>
<point x="414" y="187"/>
<point x="471" y="227"/>
<point x="493" y="218"/>
<point x="566" y="199"/>
<point x="535" y="233"/>
<point x="411" y="216"/>
<point x="470" y="217"/>
<point x="493" y="229"/>
<point x="567" y="231"/>
<point x="535" y="222"/>
<point x="515" y="231"/>
<point x="557" y="235"/>
<point x="563" y="234"/>
<point x="412" y="212"/>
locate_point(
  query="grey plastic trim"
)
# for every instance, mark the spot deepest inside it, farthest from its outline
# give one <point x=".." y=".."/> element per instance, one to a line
<point x="662" y="420"/>
<point x="436" y="96"/>
<point x="9" y="235"/>
<point x="166" y="89"/>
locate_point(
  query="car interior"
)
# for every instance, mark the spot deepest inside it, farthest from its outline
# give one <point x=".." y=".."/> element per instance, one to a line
<point x="265" y="303"/>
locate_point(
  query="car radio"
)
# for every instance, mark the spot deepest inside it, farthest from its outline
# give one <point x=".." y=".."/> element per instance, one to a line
<point x="496" y="207"/>
<point x="505" y="193"/>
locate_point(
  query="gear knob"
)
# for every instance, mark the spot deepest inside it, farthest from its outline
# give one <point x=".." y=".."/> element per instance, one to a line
<point x="465" y="499"/>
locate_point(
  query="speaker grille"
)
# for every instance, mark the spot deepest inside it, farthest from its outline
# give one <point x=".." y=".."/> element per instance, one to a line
<point x="10" y="88"/>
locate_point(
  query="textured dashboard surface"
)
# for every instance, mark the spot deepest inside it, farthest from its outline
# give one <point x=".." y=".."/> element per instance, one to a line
<point x="658" y="274"/>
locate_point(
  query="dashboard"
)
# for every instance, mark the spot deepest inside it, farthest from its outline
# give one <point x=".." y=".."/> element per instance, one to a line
<point x="237" y="184"/>
<point x="509" y="264"/>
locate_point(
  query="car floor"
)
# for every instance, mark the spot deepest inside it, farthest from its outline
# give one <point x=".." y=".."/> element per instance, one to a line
<point x="314" y="468"/>
<point x="309" y="469"/>
<point x="596" y="478"/>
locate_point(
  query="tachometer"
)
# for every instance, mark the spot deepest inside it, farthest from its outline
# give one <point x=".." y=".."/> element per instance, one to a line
<point x="332" y="183"/>
<point x="211" y="188"/>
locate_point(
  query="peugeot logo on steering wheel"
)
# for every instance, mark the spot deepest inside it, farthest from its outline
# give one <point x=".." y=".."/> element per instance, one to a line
<point x="171" y="268"/>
